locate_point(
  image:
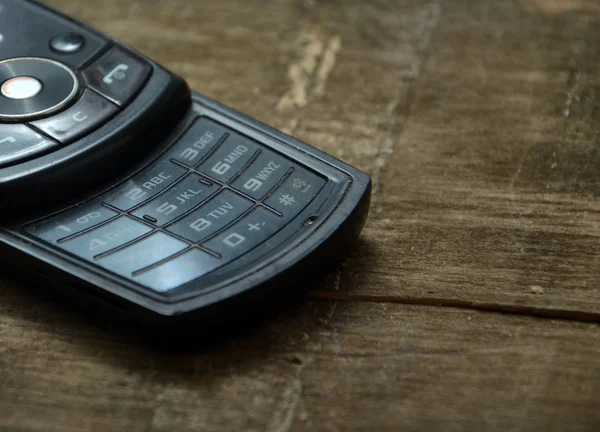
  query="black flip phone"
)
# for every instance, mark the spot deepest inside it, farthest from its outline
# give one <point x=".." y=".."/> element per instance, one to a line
<point x="122" y="189"/>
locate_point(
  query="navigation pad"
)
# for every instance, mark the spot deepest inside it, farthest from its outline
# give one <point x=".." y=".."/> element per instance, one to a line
<point x="49" y="85"/>
<point x="213" y="197"/>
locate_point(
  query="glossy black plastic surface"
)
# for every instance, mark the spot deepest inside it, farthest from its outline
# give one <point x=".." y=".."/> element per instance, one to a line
<point x="27" y="29"/>
<point x="100" y="145"/>
<point x="217" y="211"/>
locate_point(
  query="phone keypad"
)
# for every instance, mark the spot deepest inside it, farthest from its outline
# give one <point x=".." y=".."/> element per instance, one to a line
<point x="180" y="219"/>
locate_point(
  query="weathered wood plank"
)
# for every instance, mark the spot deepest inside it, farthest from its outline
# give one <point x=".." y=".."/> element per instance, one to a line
<point x="479" y="122"/>
<point x="490" y="194"/>
<point x="322" y="366"/>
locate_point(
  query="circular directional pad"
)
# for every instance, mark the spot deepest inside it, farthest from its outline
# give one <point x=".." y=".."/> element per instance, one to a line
<point x="32" y="88"/>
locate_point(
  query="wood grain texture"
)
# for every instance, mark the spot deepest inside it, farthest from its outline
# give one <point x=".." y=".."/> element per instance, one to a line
<point x="479" y="122"/>
<point x="322" y="366"/>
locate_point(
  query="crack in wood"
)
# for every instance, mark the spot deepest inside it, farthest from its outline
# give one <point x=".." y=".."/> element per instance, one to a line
<point x="532" y="311"/>
<point x="404" y="97"/>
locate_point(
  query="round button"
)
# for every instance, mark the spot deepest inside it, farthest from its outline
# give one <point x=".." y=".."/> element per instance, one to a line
<point x="22" y="87"/>
<point x="67" y="43"/>
<point x="32" y="88"/>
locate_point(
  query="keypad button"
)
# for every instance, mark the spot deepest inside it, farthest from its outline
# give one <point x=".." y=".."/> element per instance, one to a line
<point x="71" y="222"/>
<point x="296" y="192"/>
<point x="197" y="142"/>
<point x="262" y="175"/>
<point x="117" y="75"/>
<point x="144" y="185"/>
<point x="19" y="143"/>
<point x="67" y="43"/>
<point x="142" y="254"/>
<point x="250" y="232"/>
<point x="213" y="216"/>
<point x="182" y="197"/>
<point x="86" y="115"/>
<point x="105" y="238"/>
<point x="181" y="270"/>
<point x="230" y="158"/>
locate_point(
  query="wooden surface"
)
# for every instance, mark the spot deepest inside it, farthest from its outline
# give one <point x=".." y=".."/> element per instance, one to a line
<point x="479" y="121"/>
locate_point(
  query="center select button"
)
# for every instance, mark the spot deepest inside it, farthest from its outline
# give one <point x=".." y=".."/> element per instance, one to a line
<point x="88" y="114"/>
<point x="34" y="87"/>
<point x="22" y="87"/>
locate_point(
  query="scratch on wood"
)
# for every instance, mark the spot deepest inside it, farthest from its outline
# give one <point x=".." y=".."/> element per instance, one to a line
<point x="327" y="65"/>
<point x="571" y="94"/>
<point x="312" y="70"/>
<point x="566" y="314"/>
<point x="300" y="73"/>
<point x="538" y="385"/>
<point x="536" y="289"/>
<point x="562" y="6"/>
<point x="513" y="180"/>
<point x="291" y="126"/>
<point x="386" y="149"/>
<point x="386" y="146"/>
<point x="285" y="414"/>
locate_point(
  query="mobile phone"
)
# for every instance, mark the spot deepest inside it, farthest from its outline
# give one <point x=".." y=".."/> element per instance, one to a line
<point x="122" y="189"/>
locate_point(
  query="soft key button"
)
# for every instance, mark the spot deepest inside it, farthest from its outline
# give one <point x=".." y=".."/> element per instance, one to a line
<point x="182" y="197"/>
<point x="71" y="222"/>
<point x="67" y="43"/>
<point x="19" y="143"/>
